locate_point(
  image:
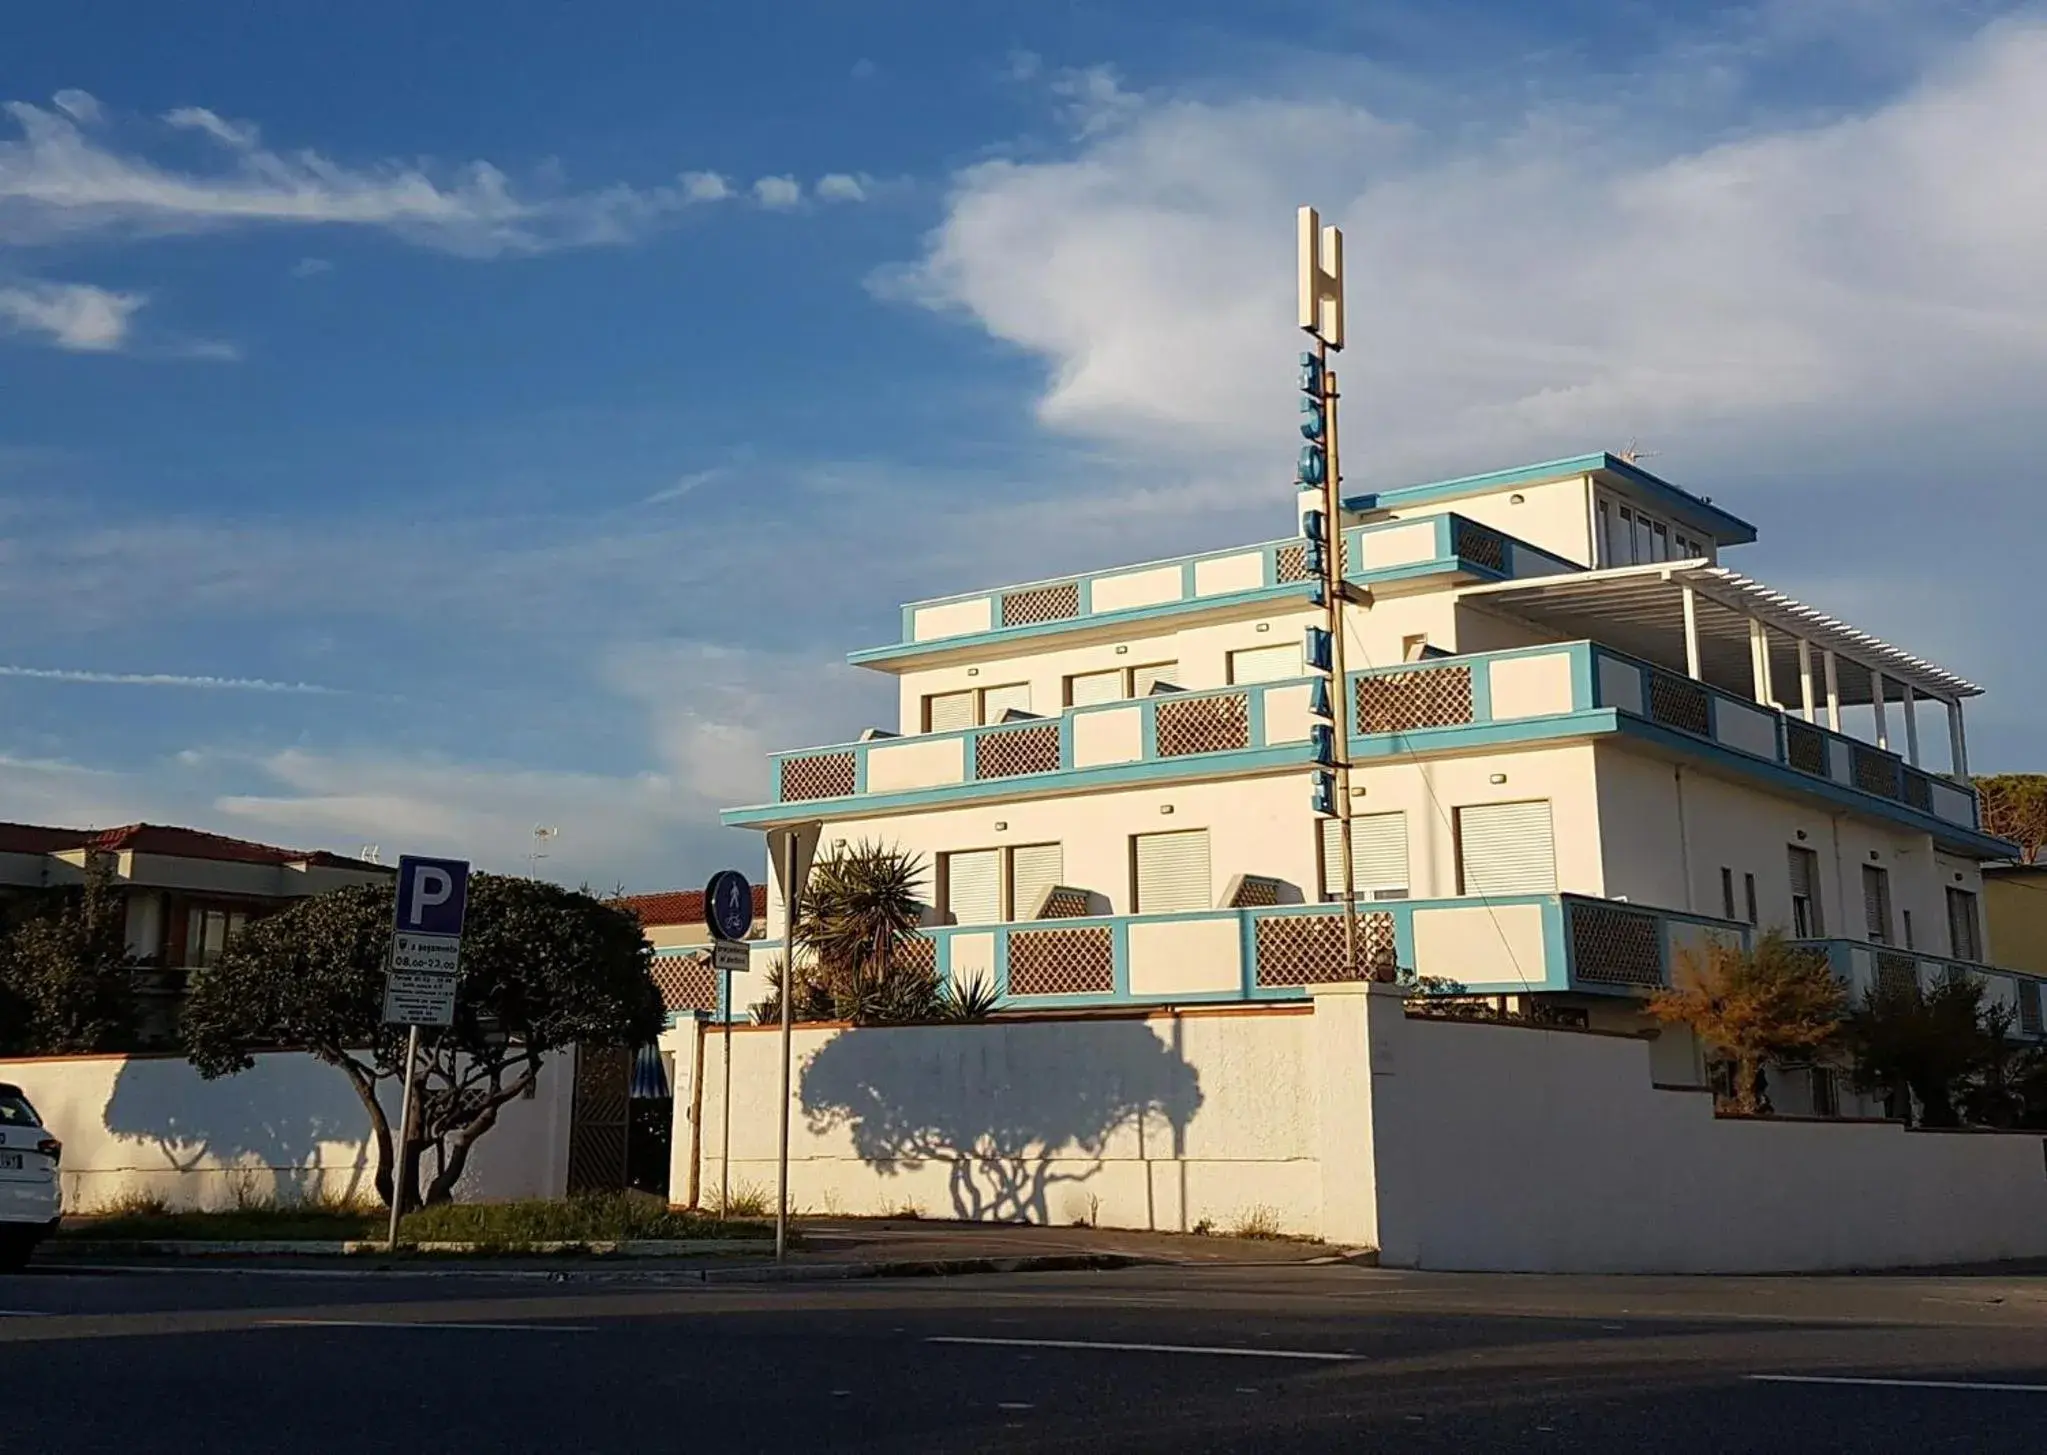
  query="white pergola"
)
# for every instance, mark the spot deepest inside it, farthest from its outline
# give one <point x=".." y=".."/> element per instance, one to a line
<point x="1722" y="628"/>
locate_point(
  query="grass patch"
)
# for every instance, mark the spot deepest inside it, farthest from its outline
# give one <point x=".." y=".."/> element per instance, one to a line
<point x="599" y="1218"/>
<point x="1257" y="1222"/>
<point x="148" y="1220"/>
<point x="595" y="1218"/>
<point x="750" y="1201"/>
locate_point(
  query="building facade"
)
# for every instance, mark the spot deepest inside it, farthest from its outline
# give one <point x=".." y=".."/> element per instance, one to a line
<point x="1581" y="746"/>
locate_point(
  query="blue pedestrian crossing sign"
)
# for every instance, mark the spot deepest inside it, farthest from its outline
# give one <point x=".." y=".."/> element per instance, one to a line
<point x="728" y="905"/>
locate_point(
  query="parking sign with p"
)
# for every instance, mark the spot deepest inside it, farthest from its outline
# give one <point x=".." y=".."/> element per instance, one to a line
<point x="432" y="894"/>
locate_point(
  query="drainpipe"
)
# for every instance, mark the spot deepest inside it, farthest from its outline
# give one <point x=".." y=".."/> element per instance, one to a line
<point x="1684" y="843"/>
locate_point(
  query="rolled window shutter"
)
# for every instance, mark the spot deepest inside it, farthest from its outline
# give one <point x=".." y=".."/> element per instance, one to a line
<point x="1267" y="664"/>
<point x="1506" y="848"/>
<point x="1085" y="688"/>
<point x="973" y="887"/>
<point x="1143" y="679"/>
<point x="1033" y="869"/>
<point x="1378" y="846"/>
<point x="950" y="710"/>
<point x="997" y="700"/>
<point x="1173" y="873"/>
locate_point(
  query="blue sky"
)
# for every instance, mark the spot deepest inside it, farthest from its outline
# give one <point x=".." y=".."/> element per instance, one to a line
<point x="418" y="423"/>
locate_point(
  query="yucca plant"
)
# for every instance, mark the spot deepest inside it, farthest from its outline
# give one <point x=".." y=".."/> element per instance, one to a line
<point x="859" y="909"/>
<point x="968" y="1000"/>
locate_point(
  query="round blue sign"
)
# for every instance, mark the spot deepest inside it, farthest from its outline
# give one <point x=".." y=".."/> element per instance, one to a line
<point x="728" y="905"/>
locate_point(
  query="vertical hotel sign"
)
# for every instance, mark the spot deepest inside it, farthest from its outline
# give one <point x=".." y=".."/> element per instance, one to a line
<point x="1319" y="478"/>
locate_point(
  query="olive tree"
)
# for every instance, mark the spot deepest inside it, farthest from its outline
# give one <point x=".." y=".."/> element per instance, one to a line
<point x="542" y="969"/>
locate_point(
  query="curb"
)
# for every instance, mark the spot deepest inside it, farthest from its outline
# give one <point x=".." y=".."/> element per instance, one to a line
<point x="357" y="1247"/>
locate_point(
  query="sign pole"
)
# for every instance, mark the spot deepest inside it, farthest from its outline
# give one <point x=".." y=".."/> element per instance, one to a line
<point x="725" y="1151"/>
<point x="728" y="913"/>
<point x="789" y="898"/>
<point x="404" y="1139"/>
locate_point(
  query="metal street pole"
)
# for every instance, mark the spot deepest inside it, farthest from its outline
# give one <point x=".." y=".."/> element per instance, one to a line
<point x="404" y="1140"/>
<point x="789" y="898"/>
<point x="725" y="1153"/>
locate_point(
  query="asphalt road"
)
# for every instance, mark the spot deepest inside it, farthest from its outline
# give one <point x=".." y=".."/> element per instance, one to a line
<point x="1183" y="1360"/>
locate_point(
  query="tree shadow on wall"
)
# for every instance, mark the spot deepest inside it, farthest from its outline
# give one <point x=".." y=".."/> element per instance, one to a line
<point x="998" y="1105"/>
<point x="267" y="1123"/>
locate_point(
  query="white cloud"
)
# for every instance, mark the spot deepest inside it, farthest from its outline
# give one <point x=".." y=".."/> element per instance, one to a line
<point x="1551" y="284"/>
<point x="77" y="317"/>
<point x="241" y="136"/>
<point x="311" y="267"/>
<point x="841" y="187"/>
<point x="56" y="180"/>
<point x="705" y="187"/>
<point x="162" y="679"/>
<point x="777" y="192"/>
<point x="1093" y="99"/>
<point x="81" y="106"/>
<point x="685" y="485"/>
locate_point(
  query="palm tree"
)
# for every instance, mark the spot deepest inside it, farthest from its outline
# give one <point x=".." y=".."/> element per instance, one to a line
<point x="859" y="910"/>
<point x="1753" y="1006"/>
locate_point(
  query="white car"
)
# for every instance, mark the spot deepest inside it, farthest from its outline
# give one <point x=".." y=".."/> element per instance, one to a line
<point x="29" y="1198"/>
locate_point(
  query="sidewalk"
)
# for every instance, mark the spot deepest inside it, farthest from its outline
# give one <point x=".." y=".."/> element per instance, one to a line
<point x="823" y="1248"/>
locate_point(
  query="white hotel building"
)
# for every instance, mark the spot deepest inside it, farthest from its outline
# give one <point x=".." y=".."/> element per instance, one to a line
<point x="1580" y="743"/>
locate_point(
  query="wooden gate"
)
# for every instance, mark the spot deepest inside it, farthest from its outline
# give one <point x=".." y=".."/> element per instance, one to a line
<point x="598" y="1119"/>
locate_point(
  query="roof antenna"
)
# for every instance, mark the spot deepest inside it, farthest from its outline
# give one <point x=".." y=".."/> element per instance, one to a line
<point x="1634" y="454"/>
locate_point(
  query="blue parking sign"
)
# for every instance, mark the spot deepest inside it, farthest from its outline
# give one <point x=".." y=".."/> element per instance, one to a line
<point x="432" y="895"/>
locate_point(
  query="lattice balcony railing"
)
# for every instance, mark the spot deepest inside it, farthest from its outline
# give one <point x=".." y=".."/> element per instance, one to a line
<point x="1483" y="547"/>
<point x="1076" y="961"/>
<point x="821" y="775"/>
<point x="1615" y="946"/>
<point x="1874" y="771"/>
<point x="1035" y="604"/>
<point x="1397" y="702"/>
<point x="1307" y="949"/>
<point x="1013" y="752"/>
<point x="1805" y="748"/>
<point x="686" y="982"/>
<point x="1203" y="724"/>
<point x="1679" y="702"/>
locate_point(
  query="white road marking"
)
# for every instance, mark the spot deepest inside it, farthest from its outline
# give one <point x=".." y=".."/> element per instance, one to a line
<point x="1899" y="1383"/>
<point x="424" y="1324"/>
<point x="1317" y="1355"/>
<point x="24" y="1313"/>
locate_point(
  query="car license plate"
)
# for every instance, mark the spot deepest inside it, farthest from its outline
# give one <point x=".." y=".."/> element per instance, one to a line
<point x="10" y="1161"/>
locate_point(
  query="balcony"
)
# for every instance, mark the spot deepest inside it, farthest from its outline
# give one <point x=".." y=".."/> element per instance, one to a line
<point x="1447" y="704"/>
<point x="1508" y="945"/>
<point x="1229" y="730"/>
<point x="1863" y="966"/>
<point x="1386" y="556"/>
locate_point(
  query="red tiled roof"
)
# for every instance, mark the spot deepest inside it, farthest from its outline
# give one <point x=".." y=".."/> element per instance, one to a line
<point x="682" y="906"/>
<point x="149" y="838"/>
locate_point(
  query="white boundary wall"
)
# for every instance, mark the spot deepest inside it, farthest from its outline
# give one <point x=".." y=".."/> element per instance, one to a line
<point x="1443" y="1144"/>
<point x="289" y="1129"/>
<point x="1158" y="1121"/>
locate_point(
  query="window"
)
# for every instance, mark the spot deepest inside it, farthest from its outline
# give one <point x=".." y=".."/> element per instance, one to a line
<point x="1033" y="869"/>
<point x="1748" y="890"/>
<point x="995" y="701"/>
<point x="946" y="711"/>
<point x="1378" y="852"/>
<point x="970" y="887"/>
<point x="2029" y="1007"/>
<point x="1631" y="537"/>
<point x="1171" y="872"/>
<point x="1826" y="1092"/>
<point x="1506" y="848"/>
<point x="1963" y="941"/>
<point x="1143" y="679"/>
<point x="1085" y="688"/>
<point x="1727" y="893"/>
<point x="1661" y="550"/>
<point x="1604" y="545"/>
<point x="1876" y="904"/>
<point x="1807" y="922"/>
<point x="207" y="932"/>
<point x="1275" y="663"/>
<point x="15" y="1110"/>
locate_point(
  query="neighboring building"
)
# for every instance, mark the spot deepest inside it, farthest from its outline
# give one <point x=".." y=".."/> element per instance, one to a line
<point x="184" y="891"/>
<point x="2015" y="907"/>
<point x="1581" y="745"/>
<point x="674" y="924"/>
